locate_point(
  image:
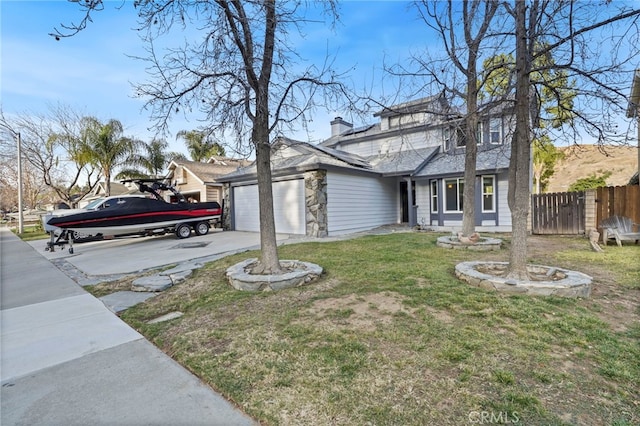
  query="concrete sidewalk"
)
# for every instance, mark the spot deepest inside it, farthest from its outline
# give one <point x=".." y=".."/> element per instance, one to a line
<point x="68" y="360"/>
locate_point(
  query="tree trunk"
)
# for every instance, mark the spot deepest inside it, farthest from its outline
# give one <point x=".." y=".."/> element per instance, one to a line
<point x="471" y="155"/>
<point x="469" y="194"/>
<point x="471" y="123"/>
<point x="519" y="170"/>
<point x="269" y="261"/>
<point x="107" y="183"/>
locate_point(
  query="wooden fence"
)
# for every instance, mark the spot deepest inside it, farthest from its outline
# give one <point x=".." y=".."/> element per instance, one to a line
<point x="618" y="200"/>
<point x="575" y="213"/>
<point x="558" y="213"/>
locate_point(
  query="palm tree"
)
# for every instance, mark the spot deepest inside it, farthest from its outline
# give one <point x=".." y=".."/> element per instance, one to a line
<point x="200" y="148"/>
<point x="153" y="161"/>
<point x="107" y="148"/>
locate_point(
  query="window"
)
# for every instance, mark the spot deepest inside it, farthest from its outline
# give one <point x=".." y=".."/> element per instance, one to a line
<point x="446" y="139"/>
<point x="434" y="196"/>
<point x="495" y="131"/>
<point x="453" y="190"/>
<point x="488" y="194"/>
<point x="461" y="137"/>
<point x="480" y="133"/>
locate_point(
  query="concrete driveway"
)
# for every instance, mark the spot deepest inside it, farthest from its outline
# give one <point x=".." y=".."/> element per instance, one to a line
<point x="133" y="254"/>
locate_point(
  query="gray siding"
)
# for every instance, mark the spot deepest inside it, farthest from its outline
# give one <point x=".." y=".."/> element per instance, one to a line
<point x="423" y="201"/>
<point x="395" y="143"/>
<point x="357" y="203"/>
<point x="504" y="214"/>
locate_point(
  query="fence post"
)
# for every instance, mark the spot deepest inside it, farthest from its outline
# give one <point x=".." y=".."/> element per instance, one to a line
<point x="590" y="215"/>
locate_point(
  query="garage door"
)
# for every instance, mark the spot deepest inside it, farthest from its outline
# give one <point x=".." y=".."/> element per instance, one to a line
<point x="288" y="207"/>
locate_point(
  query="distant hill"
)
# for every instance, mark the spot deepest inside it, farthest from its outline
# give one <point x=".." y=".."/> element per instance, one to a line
<point x="583" y="160"/>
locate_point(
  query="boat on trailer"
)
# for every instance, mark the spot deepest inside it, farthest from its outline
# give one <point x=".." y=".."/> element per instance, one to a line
<point x="137" y="216"/>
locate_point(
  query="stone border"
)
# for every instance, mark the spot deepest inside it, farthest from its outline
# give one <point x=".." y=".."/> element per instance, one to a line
<point x="241" y="280"/>
<point x="485" y="244"/>
<point x="574" y="284"/>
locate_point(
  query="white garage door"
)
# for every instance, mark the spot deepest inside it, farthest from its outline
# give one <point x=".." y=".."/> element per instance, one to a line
<point x="288" y="207"/>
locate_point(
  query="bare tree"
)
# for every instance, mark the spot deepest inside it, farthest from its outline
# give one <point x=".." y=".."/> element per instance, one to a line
<point x="565" y="31"/>
<point x="238" y="70"/>
<point x="464" y="49"/>
<point x="556" y="44"/>
<point x="35" y="192"/>
<point x="53" y="145"/>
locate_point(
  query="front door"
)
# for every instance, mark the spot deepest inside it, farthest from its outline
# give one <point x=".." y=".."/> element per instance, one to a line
<point x="404" y="200"/>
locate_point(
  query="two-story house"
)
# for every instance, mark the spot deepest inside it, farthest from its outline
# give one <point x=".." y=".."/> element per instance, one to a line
<point x="197" y="180"/>
<point x="406" y="168"/>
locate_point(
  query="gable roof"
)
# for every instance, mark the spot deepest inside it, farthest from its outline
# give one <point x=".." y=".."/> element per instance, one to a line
<point x="208" y="172"/>
<point x="290" y="156"/>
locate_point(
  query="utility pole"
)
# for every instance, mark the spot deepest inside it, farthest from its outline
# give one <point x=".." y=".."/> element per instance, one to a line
<point x="20" y="207"/>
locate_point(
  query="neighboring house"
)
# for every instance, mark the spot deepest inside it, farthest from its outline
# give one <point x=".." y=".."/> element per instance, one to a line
<point x="407" y="168"/>
<point x="196" y="180"/>
<point x="100" y="190"/>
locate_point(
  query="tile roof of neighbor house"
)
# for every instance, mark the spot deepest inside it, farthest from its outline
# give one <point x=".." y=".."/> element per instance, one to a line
<point x="209" y="172"/>
<point x="449" y="163"/>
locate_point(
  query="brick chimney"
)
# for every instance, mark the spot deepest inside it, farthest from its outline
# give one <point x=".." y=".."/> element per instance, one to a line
<point x="339" y="126"/>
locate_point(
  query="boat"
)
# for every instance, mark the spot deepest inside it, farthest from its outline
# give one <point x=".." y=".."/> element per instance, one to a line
<point x="97" y="204"/>
<point x="138" y="216"/>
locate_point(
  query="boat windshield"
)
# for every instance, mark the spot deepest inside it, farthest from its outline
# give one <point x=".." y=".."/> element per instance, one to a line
<point x="94" y="204"/>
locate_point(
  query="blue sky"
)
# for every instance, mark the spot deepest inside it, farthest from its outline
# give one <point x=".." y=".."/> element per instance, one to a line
<point x="92" y="72"/>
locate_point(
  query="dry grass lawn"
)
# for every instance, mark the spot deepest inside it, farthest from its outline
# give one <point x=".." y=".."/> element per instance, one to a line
<point x="389" y="336"/>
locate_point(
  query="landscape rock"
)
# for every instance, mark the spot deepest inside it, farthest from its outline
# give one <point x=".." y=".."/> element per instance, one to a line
<point x="178" y="277"/>
<point x="568" y="283"/>
<point x="122" y="300"/>
<point x="152" y="283"/>
<point x="301" y="273"/>
<point x="166" y="317"/>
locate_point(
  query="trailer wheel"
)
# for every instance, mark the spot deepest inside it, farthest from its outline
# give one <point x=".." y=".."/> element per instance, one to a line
<point x="202" y="228"/>
<point x="183" y="231"/>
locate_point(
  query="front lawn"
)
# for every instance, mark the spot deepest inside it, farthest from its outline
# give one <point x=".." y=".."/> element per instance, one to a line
<point x="388" y="335"/>
<point x="31" y="233"/>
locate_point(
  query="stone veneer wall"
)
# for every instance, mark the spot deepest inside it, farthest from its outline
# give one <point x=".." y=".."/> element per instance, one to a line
<point x="315" y="193"/>
<point x="226" y="204"/>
